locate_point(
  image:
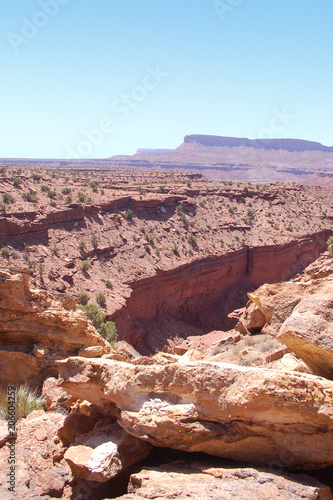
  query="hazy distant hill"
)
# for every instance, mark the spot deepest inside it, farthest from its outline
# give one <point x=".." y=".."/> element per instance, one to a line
<point x="225" y="158"/>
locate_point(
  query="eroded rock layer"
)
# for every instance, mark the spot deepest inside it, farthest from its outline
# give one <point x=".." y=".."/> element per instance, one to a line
<point x="258" y="415"/>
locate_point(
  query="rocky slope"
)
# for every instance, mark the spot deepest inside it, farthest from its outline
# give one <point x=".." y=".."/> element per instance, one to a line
<point x="182" y="410"/>
<point x="158" y="244"/>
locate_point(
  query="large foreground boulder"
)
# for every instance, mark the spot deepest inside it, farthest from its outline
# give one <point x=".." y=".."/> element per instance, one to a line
<point x="258" y="415"/>
<point x="202" y="481"/>
<point x="300" y="315"/>
<point x="105" y="452"/>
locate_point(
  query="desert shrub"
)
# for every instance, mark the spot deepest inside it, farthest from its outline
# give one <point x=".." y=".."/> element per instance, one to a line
<point x="66" y="190"/>
<point x="81" y="197"/>
<point x="147" y="248"/>
<point x="128" y="215"/>
<point x="36" y="177"/>
<point x="108" y="284"/>
<point x="16" y="181"/>
<point x="30" y="196"/>
<point x="68" y="200"/>
<point x="106" y="329"/>
<point x="81" y="245"/>
<point x="88" y="201"/>
<point x="100" y="299"/>
<point x="5" y="251"/>
<point x="44" y="188"/>
<point x="150" y="239"/>
<point x="52" y="194"/>
<point x="191" y="239"/>
<point x="158" y="252"/>
<point x="26" y="401"/>
<point x="175" y="250"/>
<point x="329" y="244"/>
<point x="94" y="240"/>
<point x="55" y="250"/>
<point x="85" y="265"/>
<point x="8" y="198"/>
<point x="53" y="204"/>
<point x="83" y="298"/>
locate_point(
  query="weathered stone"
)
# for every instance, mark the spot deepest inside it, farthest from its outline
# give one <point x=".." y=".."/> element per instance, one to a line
<point x="36" y="328"/>
<point x="103" y="453"/>
<point x="91" y="352"/>
<point x="37" y="476"/>
<point x="53" y="396"/>
<point x="74" y="425"/>
<point x="224" y="410"/>
<point x="202" y="481"/>
<point x="290" y="362"/>
<point x="300" y="315"/>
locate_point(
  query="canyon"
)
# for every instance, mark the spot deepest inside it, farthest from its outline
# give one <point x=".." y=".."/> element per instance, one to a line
<point x="211" y="287"/>
<point x="158" y="245"/>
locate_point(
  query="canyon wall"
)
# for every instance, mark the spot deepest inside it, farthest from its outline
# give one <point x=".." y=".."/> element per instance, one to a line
<point x="205" y="291"/>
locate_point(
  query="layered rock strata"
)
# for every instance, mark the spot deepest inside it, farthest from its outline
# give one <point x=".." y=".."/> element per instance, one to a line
<point x="224" y="410"/>
<point x="37" y="328"/>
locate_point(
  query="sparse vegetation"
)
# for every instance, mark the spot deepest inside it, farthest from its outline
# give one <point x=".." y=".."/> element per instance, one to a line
<point x="329" y="244"/>
<point x="106" y="329"/>
<point x="129" y="215"/>
<point x="8" y="198"/>
<point x="100" y="299"/>
<point x="192" y="239"/>
<point x="83" y="298"/>
<point x="5" y="252"/>
<point x="108" y="284"/>
<point x="85" y="265"/>
<point x="27" y="400"/>
<point x="30" y="196"/>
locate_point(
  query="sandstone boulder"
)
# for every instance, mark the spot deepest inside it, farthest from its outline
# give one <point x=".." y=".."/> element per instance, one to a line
<point x="104" y="452"/>
<point x="36" y="328"/>
<point x="91" y="352"/>
<point x="224" y="410"/>
<point x="202" y="481"/>
<point x="300" y="315"/>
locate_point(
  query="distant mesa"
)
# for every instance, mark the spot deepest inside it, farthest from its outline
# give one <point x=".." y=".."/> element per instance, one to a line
<point x="153" y="151"/>
<point x="234" y="142"/>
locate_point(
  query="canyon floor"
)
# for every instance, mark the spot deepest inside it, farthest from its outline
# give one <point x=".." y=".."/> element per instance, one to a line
<point x="220" y="385"/>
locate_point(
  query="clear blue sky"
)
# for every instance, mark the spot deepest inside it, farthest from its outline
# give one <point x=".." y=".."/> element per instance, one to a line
<point x="72" y="66"/>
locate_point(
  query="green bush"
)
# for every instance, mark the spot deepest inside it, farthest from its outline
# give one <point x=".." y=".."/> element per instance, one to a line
<point x="100" y="299"/>
<point x="16" y="181"/>
<point x="8" y="198"/>
<point x="83" y="298"/>
<point x="106" y="329"/>
<point x="66" y="190"/>
<point x="81" y="197"/>
<point x="31" y="196"/>
<point x="129" y="215"/>
<point x="329" y="244"/>
<point x="5" y="251"/>
<point x="191" y="239"/>
<point x="81" y="246"/>
<point x="85" y="265"/>
<point x="52" y="194"/>
<point x="108" y="284"/>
